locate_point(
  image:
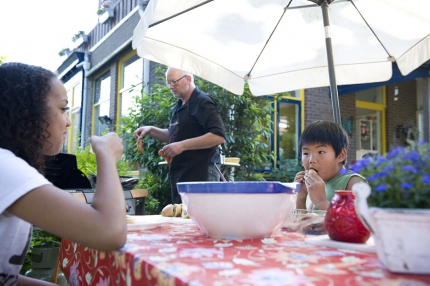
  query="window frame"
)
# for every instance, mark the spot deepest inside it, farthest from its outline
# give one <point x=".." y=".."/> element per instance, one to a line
<point x="102" y="76"/>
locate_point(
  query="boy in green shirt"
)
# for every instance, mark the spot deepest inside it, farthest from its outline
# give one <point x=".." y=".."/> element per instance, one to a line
<point x="324" y="146"/>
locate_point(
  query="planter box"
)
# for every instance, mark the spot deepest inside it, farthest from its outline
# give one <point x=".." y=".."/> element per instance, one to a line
<point x="401" y="239"/>
<point x="79" y="41"/>
<point x="401" y="235"/>
<point x="108" y="13"/>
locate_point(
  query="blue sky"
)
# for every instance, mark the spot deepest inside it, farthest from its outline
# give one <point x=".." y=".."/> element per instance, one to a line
<point x="34" y="31"/>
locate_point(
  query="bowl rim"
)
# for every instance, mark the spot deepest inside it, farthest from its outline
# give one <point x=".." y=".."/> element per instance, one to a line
<point x="239" y="187"/>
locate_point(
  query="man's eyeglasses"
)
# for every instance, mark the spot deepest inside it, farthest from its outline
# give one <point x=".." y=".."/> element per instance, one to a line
<point x="174" y="82"/>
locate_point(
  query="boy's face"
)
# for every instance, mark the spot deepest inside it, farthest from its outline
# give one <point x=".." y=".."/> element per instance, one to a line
<point x="322" y="158"/>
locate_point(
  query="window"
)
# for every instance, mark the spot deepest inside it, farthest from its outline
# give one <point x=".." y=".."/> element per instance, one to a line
<point x="74" y="96"/>
<point x="370" y="121"/>
<point x="288" y="129"/>
<point x="101" y="104"/>
<point x="368" y="124"/>
<point x="286" y="125"/>
<point x="373" y="95"/>
<point x="130" y="82"/>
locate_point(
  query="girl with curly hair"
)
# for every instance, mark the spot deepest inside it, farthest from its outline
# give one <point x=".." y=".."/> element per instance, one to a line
<point x="34" y="123"/>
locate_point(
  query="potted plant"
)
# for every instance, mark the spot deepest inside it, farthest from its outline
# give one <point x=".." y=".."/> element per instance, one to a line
<point x="64" y="52"/>
<point x="78" y="39"/>
<point x="398" y="194"/>
<point x="105" y="11"/>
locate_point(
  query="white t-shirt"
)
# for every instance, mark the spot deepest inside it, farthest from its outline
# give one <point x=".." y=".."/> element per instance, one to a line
<point x="16" y="179"/>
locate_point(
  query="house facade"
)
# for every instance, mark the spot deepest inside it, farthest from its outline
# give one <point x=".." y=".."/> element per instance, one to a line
<point x="102" y="68"/>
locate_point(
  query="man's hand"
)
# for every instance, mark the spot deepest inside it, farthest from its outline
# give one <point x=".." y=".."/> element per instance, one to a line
<point x="141" y="131"/>
<point x="173" y="149"/>
<point x="155" y="132"/>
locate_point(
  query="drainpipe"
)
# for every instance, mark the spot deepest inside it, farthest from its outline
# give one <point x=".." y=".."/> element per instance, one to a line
<point x="426" y="108"/>
<point x="146" y="75"/>
<point x="85" y="68"/>
<point x="142" y="6"/>
<point x="146" y="63"/>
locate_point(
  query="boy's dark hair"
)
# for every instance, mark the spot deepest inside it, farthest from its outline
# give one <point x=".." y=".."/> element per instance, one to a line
<point x="325" y="132"/>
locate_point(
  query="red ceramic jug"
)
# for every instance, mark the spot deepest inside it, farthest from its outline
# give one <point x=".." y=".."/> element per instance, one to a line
<point x="341" y="221"/>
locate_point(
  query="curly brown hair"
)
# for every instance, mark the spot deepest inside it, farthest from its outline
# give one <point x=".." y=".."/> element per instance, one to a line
<point x="24" y="93"/>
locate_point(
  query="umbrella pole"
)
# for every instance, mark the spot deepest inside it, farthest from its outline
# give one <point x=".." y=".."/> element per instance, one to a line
<point x="332" y="76"/>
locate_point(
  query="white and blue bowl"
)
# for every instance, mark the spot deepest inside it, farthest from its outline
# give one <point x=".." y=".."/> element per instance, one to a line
<point x="238" y="210"/>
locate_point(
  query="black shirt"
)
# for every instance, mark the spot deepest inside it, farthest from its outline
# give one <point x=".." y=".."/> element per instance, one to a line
<point x="198" y="116"/>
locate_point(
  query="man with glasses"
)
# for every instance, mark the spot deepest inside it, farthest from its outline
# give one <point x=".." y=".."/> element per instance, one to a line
<point x="195" y="131"/>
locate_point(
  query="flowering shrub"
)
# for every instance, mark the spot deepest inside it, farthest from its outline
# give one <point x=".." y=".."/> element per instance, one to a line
<point x="399" y="180"/>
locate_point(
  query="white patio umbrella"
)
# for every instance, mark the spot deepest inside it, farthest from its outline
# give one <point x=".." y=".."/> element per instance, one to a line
<point x="284" y="45"/>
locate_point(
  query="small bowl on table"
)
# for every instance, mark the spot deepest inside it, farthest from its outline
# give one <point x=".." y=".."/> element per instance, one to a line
<point x="306" y="221"/>
<point x="238" y="210"/>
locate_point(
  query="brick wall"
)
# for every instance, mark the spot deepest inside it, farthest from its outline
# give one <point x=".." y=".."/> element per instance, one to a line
<point x="400" y="112"/>
<point x="318" y="106"/>
<point x="347" y="114"/>
<point x="113" y="91"/>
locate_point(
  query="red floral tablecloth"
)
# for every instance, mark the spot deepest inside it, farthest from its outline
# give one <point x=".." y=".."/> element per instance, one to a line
<point x="181" y="254"/>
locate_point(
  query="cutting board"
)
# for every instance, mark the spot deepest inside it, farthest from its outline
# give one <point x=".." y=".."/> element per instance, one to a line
<point x="324" y="240"/>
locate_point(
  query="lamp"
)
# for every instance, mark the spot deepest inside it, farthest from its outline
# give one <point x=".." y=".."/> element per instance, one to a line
<point x="105" y="120"/>
<point x="396" y="93"/>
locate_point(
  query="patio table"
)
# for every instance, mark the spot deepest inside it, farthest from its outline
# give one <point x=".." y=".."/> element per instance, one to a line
<point x="181" y="254"/>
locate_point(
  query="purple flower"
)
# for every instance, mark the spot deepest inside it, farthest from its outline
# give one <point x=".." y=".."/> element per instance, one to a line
<point x="401" y="179"/>
<point x="388" y="168"/>
<point x="406" y="185"/>
<point x="410" y="168"/>
<point x="425" y="179"/>
<point x="395" y="152"/>
<point x="380" y="160"/>
<point x="361" y="164"/>
<point x="381" y="188"/>
<point x="413" y="155"/>
<point x="378" y="176"/>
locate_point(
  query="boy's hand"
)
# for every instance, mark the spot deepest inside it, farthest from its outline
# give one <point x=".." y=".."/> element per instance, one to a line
<point x="316" y="190"/>
<point x="303" y="193"/>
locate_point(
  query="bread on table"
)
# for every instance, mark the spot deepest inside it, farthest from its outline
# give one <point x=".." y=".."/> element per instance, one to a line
<point x="131" y="219"/>
<point x="172" y="210"/>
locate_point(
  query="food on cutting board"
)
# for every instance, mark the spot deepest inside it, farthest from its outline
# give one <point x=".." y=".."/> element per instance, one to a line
<point x="314" y="228"/>
<point x="306" y="221"/>
<point x="174" y="210"/>
<point x="167" y="159"/>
